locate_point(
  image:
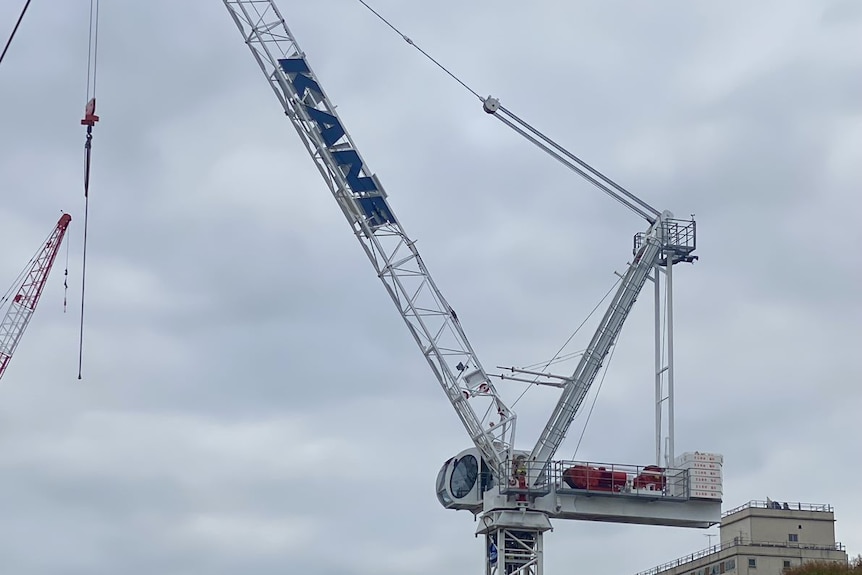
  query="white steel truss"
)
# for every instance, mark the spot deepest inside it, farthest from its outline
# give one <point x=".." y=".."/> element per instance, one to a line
<point x="430" y="319"/>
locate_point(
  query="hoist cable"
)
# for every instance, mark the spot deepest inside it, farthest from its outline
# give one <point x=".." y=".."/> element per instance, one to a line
<point x="14" y="30"/>
<point x="586" y="319"/>
<point x="556" y="355"/>
<point x="83" y="290"/>
<point x="92" y="47"/>
<point x="423" y="52"/>
<point x="66" y="277"/>
<point x="90" y="118"/>
<point x="593" y="404"/>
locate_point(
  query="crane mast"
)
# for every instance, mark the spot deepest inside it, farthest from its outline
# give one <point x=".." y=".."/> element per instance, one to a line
<point x="23" y="303"/>
<point x="360" y="195"/>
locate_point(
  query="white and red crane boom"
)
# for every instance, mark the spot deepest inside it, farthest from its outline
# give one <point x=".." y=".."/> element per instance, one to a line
<point x="23" y="303"/>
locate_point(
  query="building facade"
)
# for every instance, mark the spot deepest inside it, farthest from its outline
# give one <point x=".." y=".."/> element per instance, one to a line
<point x="764" y="538"/>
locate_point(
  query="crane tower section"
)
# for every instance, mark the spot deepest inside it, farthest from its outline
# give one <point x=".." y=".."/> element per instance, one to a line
<point x="23" y="303"/>
<point x="360" y="195"/>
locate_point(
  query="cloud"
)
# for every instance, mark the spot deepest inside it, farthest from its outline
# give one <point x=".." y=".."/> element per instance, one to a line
<point x="252" y="402"/>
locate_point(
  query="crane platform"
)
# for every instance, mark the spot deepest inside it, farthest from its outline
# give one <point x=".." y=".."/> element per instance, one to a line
<point x="635" y="509"/>
<point x="684" y="496"/>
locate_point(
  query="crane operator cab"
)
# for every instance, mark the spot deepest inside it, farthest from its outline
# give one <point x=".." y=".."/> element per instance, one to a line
<point x="463" y="481"/>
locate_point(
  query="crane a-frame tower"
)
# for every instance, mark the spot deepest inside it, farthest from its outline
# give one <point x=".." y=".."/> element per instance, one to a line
<point x="516" y="492"/>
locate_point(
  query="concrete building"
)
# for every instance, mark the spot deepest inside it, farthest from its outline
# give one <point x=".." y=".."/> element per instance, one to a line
<point x="764" y="538"/>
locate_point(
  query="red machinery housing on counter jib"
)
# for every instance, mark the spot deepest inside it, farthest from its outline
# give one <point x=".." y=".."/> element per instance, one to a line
<point x="604" y="479"/>
<point x="595" y="478"/>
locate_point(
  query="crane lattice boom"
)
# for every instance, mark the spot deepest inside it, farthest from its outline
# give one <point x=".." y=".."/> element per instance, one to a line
<point x="23" y="303"/>
<point x="430" y="319"/>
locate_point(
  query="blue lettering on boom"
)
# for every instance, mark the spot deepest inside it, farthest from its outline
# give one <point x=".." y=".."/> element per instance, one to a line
<point x="300" y="82"/>
<point x="350" y="159"/>
<point x="331" y="130"/>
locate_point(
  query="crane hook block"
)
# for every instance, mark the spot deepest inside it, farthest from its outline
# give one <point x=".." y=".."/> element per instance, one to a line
<point x="90" y="117"/>
<point x="491" y="105"/>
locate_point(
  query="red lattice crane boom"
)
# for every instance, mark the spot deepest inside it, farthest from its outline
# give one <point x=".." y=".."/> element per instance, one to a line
<point x="23" y="303"/>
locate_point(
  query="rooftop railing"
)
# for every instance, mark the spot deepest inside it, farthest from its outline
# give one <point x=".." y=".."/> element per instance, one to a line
<point x="786" y="505"/>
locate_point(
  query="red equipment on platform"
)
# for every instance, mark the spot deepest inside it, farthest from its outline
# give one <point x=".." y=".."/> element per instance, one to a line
<point x="595" y="478"/>
<point x="652" y="477"/>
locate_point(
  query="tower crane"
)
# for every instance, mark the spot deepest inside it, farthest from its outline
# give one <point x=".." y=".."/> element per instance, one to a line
<point x="514" y="492"/>
<point x="27" y="293"/>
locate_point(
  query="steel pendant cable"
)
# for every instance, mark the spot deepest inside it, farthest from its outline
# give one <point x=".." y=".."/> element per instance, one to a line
<point x="424" y="53"/>
<point x="544" y="365"/>
<point x="14" y="30"/>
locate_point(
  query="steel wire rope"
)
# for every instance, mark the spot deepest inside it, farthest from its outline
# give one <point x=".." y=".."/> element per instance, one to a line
<point x="423" y="52"/>
<point x="66" y="276"/>
<point x="92" y="48"/>
<point x="92" y="60"/>
<point x="593" y="404"/>
<point x="574" y="333"/>
<point x="14" y="30"/>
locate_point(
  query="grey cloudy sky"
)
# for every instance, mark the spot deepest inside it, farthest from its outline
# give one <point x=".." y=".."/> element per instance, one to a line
<point x="252" y="402"/>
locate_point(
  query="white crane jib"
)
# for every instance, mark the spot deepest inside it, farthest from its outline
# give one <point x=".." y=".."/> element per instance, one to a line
<point x="432" y="322"/>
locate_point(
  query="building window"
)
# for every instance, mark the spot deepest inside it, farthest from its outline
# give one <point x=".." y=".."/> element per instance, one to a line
<point x="730" y="564"/>
<point x="793" y="537"/>
<point x="786" y="564"/>
<point x="752" y="563"/>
